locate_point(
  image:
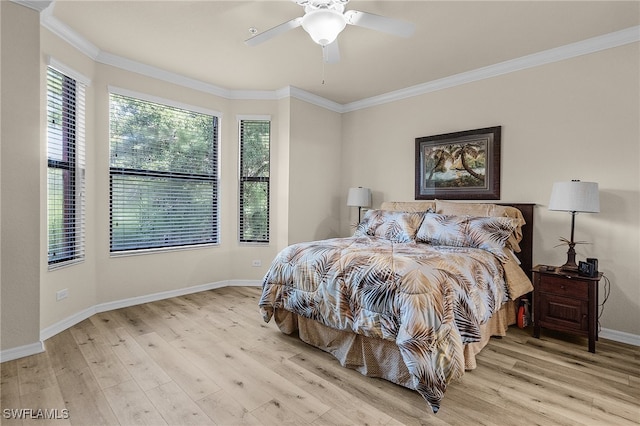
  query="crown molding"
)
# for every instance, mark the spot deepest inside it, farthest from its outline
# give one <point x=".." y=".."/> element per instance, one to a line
<point x="303" y="95"/>
<point x="38" y="5"/>
<point x="66" y="33"/>
<point x="260" y="95"/>
<point x="160" y="74"/>
<point x="584" y="47"/>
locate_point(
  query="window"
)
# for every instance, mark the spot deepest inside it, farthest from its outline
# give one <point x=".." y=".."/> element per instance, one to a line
<point x="255" y="138"/>
<point x="65" y="169"/>
<point x="163" y="175"/>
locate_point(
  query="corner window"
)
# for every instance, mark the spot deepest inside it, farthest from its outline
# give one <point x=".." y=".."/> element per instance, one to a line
<point x="255" y="139"/>
<point x="65" y="169"/>
<point x="163" y="175"/>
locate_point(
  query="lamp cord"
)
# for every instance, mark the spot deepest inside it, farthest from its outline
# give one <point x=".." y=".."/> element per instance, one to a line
<point x="607" y="292"/>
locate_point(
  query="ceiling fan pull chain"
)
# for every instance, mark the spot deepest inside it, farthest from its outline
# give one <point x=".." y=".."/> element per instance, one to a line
<point x="323" y="62"/>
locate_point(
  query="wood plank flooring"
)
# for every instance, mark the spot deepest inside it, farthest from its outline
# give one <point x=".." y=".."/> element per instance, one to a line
<point x="209" y="359"/>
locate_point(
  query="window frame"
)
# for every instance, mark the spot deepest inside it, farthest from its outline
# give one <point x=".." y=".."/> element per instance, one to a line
<point x="258" y="179"/>
<point x="71" y="162"/>
<point x="112" y="90"/>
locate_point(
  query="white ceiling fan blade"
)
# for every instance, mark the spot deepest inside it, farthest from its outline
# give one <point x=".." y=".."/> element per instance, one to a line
<point x="331" y="53"/>
<point x="379" y="23"/>
<point x="271" y="33"/>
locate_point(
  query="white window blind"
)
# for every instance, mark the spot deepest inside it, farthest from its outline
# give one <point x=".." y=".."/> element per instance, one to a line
<point x="255" y="139"/>
<point x="163" y="176"/>
<point x="65" y="169"/>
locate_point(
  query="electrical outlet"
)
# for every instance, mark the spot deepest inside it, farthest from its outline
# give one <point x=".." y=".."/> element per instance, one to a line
<point x="62" y="294"/>
<point x="256" y="263"/>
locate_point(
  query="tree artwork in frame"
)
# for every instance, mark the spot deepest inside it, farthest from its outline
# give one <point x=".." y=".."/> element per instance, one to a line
<point x="459" y="166"/>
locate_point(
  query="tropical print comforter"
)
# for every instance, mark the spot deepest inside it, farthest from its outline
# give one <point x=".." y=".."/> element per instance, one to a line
<point x="430" y="300"/>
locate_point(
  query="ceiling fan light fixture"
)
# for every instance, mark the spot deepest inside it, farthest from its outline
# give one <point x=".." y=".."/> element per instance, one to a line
<point x="323" y="25"/>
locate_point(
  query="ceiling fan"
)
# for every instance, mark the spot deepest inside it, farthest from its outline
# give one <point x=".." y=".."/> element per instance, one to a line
<point x="325" y="19"/>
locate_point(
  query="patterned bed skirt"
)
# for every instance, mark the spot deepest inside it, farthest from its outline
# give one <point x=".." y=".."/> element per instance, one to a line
<point x="381" y="358"/>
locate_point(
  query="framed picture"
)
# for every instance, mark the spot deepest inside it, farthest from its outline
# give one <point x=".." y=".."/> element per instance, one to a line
<point x="459" y="166"/>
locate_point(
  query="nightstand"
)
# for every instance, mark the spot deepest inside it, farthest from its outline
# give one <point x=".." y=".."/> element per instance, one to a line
<point x="565" y="301"/>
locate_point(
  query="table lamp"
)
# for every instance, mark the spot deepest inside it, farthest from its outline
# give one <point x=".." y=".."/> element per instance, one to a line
<point x="359" y="197"/>
<point x="574" y="197"/>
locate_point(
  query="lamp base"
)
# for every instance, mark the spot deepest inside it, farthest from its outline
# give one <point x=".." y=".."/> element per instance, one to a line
<point x="569" y="268"/>
<point x="570" y="265"/>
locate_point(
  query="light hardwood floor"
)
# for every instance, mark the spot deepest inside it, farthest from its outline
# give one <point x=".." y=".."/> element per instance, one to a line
<point x="208" y="358"/>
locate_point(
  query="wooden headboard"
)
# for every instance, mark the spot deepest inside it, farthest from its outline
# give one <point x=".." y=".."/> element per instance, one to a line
<point x="526" y="245"/>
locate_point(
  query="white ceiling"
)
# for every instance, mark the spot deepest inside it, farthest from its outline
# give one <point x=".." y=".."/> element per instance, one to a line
<point x="204" y="40"/>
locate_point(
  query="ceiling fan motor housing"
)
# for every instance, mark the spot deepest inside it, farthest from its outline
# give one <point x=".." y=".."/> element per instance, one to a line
<point x="324" y="24"/>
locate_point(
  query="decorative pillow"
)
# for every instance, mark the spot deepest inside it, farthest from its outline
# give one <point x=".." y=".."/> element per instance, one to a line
<point x="442" y="230"/>
<point x="485" y="209"/>
<point x="491" y="233"/>
<point x="399" y="227"/>
<point x="487" y="233"/>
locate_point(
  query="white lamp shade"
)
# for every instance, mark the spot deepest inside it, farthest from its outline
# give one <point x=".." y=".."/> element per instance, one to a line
<point x="323" y="25"/>
<point x="575" y="196"/>
<point x="359" y="197"/>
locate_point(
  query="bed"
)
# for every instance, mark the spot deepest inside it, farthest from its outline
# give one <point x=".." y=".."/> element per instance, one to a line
<point x="413" y="295"/>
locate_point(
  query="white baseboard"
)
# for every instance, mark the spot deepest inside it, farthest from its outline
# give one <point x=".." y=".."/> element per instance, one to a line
<point x="109" y="306"/>
<point x="117" y="304"/>
<point x="52" y="330"/>
<point x="620" y="336"/>
<point x="21" y="351"/>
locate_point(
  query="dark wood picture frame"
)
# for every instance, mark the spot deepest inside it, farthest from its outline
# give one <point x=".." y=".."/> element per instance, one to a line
<point x="459" y="166"/>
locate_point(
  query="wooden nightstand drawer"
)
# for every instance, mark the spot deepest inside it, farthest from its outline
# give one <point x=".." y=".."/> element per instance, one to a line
<point x="564" y="287"/>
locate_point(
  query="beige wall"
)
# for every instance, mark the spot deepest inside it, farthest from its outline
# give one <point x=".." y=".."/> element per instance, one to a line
<point x="577" y="118"/>
<point x="574" y="119"/>
<point x="20" y="176"/>
<point x="315" y="195"/>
